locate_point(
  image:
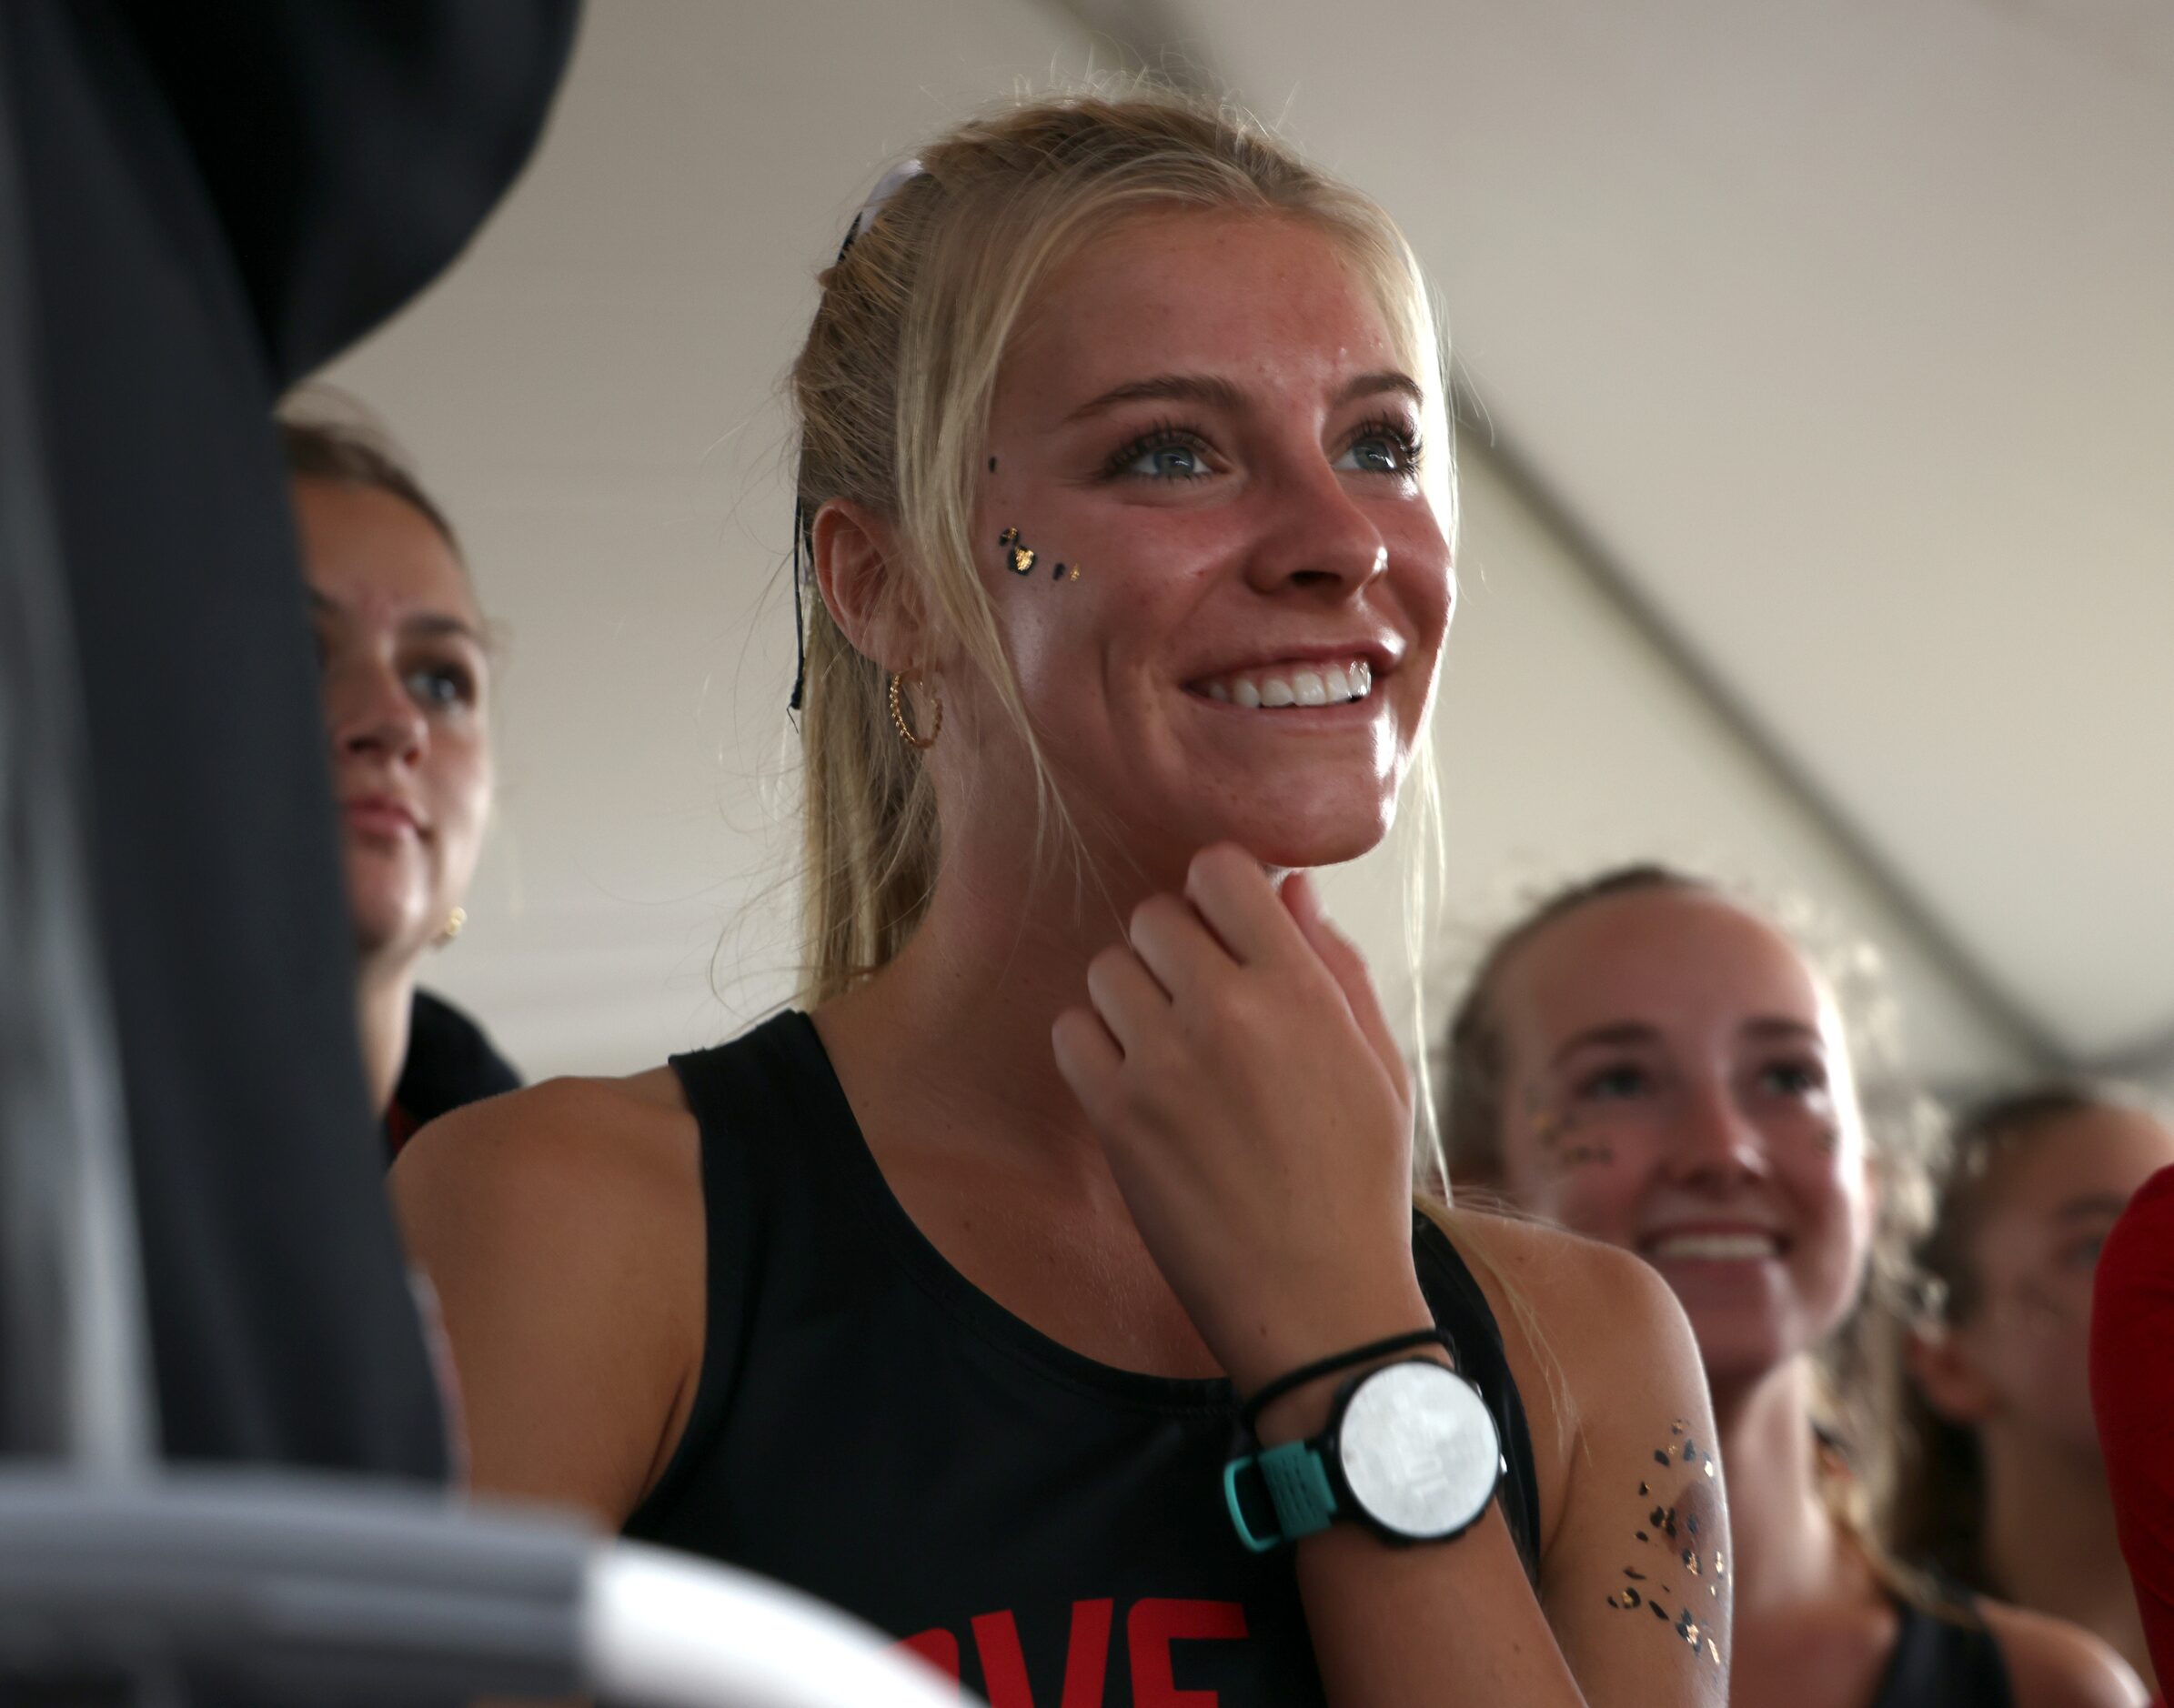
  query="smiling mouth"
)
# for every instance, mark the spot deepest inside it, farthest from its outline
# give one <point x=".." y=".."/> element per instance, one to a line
<point x="1274" y="687"/>
<point x="1712" y="1248"/>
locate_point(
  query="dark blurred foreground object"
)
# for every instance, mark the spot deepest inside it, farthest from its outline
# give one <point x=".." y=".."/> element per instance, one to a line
<point x="208" y="201"/>
<point x="2132" y="1396"/>
<point x="450" y="1061"/>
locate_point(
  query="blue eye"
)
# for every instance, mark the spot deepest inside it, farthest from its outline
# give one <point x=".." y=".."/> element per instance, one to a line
<point x="1167" y="453"/>
<point x="1614" y="1085"/>
<point x="1795" y="1079"/>
<point x="442" y="685"/>
<point x="1381" y="447"/>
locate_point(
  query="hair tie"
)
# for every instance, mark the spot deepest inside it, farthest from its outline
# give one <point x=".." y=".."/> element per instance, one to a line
<point x="887" y="186"/>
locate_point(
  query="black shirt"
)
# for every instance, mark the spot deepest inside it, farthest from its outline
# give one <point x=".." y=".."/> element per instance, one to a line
<point x="872" y="1428"/>
<point x="1944" y="1661"/>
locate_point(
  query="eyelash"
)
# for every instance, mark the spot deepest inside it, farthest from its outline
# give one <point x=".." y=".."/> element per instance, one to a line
<point x="1162" y="435"/>
<point x="1166" y="435"/>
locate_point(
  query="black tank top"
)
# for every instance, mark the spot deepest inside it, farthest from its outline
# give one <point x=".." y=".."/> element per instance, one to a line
<point x="871" y="1428"/>
<point x="1943" y="1662"/>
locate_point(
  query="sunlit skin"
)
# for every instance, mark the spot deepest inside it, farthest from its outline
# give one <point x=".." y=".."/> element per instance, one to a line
<point x="2015" y="1369"/>
<point x="1676" y="1068"/>
<point x="406" y="675"/>
<point x="1678" y="1078"/>
<point x="1262" y="502"/>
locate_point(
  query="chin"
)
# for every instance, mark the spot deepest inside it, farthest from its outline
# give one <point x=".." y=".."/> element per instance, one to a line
<point x="1296" y="841"/>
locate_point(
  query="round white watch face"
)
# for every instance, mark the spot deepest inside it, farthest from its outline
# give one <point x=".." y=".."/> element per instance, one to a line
<point x="1418" y="1446"/>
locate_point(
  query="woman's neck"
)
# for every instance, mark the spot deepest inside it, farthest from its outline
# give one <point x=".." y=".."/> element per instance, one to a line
<point x="959" y="1023"/>
<point x="383" y="1004"/>
<point x="1787" y="1550"/>
<point x="2049" y="1540"/>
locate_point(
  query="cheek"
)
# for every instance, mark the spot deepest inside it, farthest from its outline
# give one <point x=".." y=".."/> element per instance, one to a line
<point x="462" y="781"/>
<point x="1582" y="1179"/>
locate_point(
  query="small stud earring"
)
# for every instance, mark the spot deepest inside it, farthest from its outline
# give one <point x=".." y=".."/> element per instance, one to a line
<point x="455" y="922"/>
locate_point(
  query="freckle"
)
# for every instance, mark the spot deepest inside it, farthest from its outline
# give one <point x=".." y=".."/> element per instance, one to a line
<point x="1659" y="1612"/>
<point x="992" y="465"/>
<point x="1660" y="1455"/>
<point x="1632" y="1572"/>
<point x="1644" y="1537"/>
<point x="1645" y="1488"/>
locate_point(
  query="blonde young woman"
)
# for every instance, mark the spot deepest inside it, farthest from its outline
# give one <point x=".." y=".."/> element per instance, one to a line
<point x="1128" y="496"/>
<point x="1646" y="1061"/>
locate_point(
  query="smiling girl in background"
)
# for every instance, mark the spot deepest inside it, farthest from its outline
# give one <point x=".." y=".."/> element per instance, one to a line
<point x="1645" y="1061"/>
<point x="1124" y="476"/>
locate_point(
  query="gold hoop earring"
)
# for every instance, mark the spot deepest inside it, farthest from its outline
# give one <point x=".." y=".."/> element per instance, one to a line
<point x="455" y="922"/>
<point x="898" y="713"/>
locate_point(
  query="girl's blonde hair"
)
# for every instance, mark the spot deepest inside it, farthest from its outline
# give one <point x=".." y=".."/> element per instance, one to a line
<point x="1859" y="1413"/>
<point x="892" y="391"/>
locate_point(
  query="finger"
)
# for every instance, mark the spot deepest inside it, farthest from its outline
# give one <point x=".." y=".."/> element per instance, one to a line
<point x="1089" y="1060"/>
<point x="1229" y="889"/>
<point x="1126" y="996"/>
<point x="1301" y="901"/>
<point x="1175" y="945"/>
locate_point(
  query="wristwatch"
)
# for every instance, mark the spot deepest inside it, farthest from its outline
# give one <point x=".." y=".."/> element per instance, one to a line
<point x="1410" y="1451"/>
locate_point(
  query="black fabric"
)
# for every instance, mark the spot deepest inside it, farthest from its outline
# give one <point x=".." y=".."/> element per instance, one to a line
<point x="220" y="195"/>
<point x="450" y="1061"/>
<point x="872" y="1428"/>
<point x="1944" y="1661"/>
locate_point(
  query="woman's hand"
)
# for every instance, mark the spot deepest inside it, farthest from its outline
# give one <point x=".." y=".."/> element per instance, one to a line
<point x="1257" y="1116"/>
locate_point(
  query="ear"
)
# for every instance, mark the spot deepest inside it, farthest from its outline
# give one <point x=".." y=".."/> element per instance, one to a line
<point x="1948" y="1376"/>
<point x="858" y="569"/>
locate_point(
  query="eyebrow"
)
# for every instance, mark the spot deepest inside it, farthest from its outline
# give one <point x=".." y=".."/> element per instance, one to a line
<point x="433" y="624"/>
<point x="1621" y="1032"/>
<point x="1218" y="392"/>
<point x="1780" y="1026"/>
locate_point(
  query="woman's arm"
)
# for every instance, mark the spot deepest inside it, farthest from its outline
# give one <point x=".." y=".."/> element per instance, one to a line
<point x="1258" y="1118"/>
<point x="562" y="1230"/>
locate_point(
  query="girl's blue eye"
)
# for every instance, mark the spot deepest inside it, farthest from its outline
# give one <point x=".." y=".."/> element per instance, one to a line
<point x="442" y="686"/>
<point x="1381" y="447"/>
<point x="1614" y="1085"/>
<point x="1795" y="1079"/>
<point x="1163" y="455"/>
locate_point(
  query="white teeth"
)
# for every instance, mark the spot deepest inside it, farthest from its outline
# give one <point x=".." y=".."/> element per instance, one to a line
<point x="1722" y="1248"/>
<point x="1330" y="685"/>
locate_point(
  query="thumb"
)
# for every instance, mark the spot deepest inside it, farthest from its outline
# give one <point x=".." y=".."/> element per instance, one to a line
<point x="1347" y="967"/>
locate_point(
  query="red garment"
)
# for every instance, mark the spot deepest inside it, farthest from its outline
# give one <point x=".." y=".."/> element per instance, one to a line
<point x="2132" y="1392"/>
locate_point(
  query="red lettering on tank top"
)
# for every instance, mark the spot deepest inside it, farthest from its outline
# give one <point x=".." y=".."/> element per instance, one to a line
<point x="1151" y="1626"/>
<point x="938" y="1648"/>
<point x="1087" y="1654"/>
<point x="1086" y="1658"/>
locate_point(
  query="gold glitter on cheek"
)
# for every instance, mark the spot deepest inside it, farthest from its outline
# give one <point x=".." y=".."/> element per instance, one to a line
<point x="1713" y="1651"/>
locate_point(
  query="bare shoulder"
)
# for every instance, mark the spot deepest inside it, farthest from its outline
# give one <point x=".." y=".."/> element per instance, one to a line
<point x="623" y="1138"/>
<point x="2052" y="1663"/>
<point x="1598" y="1345"/>
<point x="562" y="1228"/>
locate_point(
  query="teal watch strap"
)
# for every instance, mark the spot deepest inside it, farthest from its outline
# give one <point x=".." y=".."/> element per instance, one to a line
<point x="1297" y="1485"/>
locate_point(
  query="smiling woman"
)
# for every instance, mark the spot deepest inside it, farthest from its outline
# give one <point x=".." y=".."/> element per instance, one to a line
<point x="1648" y="1062"/>
<point x="1052" y="1293"/>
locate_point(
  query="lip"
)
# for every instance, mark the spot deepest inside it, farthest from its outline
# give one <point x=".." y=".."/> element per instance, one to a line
<point x="384" y="815"/>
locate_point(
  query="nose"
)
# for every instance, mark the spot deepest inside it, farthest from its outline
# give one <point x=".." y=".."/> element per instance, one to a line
<point x="1315" y="536"/>
<point x="373" y="713"/>
<point x="1715" y="1142"/>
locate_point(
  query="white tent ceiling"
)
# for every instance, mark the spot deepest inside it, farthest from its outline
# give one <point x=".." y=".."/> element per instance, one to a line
<point x="1836" y="343"/>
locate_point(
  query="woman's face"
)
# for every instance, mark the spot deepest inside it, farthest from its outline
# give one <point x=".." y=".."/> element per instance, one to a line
<point x="1208" y="418"/>
<point x="404" y="671"/>
<point x="2051" y="1202"/>
<point x="1677" y="1085"/>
